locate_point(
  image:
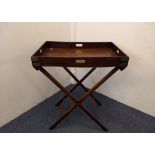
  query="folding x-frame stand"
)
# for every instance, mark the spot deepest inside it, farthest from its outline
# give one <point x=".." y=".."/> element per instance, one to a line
<point x="78" y="103"/>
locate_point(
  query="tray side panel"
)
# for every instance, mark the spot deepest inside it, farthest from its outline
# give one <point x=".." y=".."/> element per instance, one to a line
<point x="80" y="62"/>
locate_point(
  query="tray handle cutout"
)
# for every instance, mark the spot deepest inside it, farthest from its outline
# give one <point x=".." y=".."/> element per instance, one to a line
<point x="117" y="51"/>
<point x="79" y="45"/>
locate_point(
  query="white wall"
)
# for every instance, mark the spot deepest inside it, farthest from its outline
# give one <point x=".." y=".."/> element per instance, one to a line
<point x="135" y="86"/>
<point x="21" y="86"/>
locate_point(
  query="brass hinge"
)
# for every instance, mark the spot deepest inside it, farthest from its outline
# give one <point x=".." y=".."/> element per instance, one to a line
<point x="34" y="58"/>
<point x="36" y="65"/>
<point x="124" y="59"/>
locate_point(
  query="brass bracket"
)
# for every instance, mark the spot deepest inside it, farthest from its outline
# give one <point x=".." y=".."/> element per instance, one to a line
<point x="80" y="61"/>
<point x="36" y="65"/>
<point x="124" y="59"/>
<point x="34" y="58"/>
<point x="123" y="63"/>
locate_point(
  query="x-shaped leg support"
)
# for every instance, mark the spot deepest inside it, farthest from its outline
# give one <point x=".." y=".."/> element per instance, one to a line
<point x="79" y="82"/>
<point x="78" y="103"/>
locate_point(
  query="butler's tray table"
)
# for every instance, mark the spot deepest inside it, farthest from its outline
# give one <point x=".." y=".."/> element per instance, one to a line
<point x="79" y="54"/>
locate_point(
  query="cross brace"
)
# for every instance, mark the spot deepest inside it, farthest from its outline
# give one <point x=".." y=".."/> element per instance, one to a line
<point x="78" y="103"/>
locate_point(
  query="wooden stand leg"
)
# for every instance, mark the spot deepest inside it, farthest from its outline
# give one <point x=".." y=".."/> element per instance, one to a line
<point x="93" y="118"/>
<point x="62" y="109"/>
<point x="94" y="107"/>
<point x="98" y="84"/>
<point x="75" y="78"/>
<point x="63" y="117"/>
<point x="78" y="103"/>
<point x="79" y="82"/>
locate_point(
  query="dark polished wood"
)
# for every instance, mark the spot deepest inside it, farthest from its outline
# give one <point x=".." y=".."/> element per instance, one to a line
<point x="98" y="84"/>
<point x="79" y="82"/>
<point x="79" y="54"/>
<point x="77" y="103"/>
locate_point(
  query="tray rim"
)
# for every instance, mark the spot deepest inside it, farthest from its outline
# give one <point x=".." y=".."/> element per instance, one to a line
<point x="65" y="42"/>
<point x="124" y="58"/>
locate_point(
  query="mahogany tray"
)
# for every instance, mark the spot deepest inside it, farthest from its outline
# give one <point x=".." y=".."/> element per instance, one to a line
<point x="79" y="54"/>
